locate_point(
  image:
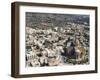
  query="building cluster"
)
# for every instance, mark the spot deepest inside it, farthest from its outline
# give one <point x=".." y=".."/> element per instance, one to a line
<point x="45" y="47"/>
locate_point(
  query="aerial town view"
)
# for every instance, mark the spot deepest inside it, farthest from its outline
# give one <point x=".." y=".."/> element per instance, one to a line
<point x="56" y="39"/>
